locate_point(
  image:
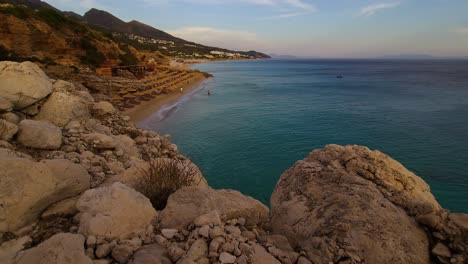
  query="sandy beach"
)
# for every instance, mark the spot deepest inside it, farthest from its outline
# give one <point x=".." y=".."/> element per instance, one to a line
<point x="144" y="110"/>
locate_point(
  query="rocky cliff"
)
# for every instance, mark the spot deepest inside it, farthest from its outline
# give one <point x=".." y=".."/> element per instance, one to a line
<point x="77" y="185"/>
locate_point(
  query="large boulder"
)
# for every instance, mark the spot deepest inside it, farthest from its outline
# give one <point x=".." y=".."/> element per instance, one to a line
<point x="353" y="203"/>
<point x="7" y="130"/>
<point x="23" y="84"/>
<point x="60" y="108"/>
<point x="39" y="134"/>
<point x="114" y="212"/>
<point x="27" y="188"/>
<point x="188" y="203"/>
<point x="59" y="249"/>
<point x="104" y="108"/>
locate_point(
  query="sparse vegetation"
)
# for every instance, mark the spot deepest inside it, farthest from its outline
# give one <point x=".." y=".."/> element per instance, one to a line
<point x="93" y="56"/>
<point x="127" y="58"/>
<point x="163" y="177"/>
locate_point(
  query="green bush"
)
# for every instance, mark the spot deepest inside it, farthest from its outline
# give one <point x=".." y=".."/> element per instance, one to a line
<point x="93" y="56"/>
<point x="127" y="58"/>
<point x="17" y="11"/>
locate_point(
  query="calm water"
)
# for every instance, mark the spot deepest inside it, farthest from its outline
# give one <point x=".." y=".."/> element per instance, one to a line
<point x="265" y="115"/>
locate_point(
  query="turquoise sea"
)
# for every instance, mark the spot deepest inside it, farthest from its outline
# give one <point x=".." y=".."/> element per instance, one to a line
<point x="265" y="115"/>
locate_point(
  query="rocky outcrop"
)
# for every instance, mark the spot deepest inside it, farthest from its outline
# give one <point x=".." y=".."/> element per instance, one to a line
<point x="188" y="203"/>
<point x="59" y="249"/>
<point x="113" y="212"/>
<point x="353" y="204"/>
<point x="60" y="108"/>
<point x="28" y="187"/>
<point x="39" y="134"/>
<point x="23" y="84"/>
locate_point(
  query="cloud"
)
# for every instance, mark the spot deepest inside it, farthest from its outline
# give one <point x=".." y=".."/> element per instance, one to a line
<point x="285" y="15"/>
<point x="231" y="39"/>
<point x="294" y="4"/>
<point x="372" y="9"/>
<point x="461" y="31"/>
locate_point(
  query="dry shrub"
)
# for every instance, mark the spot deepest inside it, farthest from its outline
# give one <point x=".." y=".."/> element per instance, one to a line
<point x="163" y="177"/>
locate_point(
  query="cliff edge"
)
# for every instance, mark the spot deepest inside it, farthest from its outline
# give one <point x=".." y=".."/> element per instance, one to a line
<point x="79" y="183"/>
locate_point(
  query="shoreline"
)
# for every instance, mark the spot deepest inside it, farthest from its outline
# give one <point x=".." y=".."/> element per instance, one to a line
<point x="146" y="109"/>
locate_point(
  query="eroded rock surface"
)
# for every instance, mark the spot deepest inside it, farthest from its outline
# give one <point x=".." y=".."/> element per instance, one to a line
<point x="116" y="211"/>
<point x="188" y="203"/>
<point x="351" y="203"/>
<point x="23" y="84"/>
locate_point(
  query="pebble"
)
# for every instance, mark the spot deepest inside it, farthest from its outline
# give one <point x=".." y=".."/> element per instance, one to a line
<point x="227" y="258"/>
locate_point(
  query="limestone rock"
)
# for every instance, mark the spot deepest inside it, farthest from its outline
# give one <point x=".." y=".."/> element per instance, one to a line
<point x="5" y="105"/>
<point x="260" y="256"/>
<point x="101" y="141"/>
<point x="60" y="108"/>
<point x="27" y="188"/>
<point x="63" y="208"/>
<point x="59" y="249"/>
<point x="39" y="134"/>
<point x="11" y="117"/>
<point x="114" y="212"/>
<point x="104" y="108"/>
<point x="188" y="203"/>
<point x="151" y="254"/>
<point x="23" y="84"/>
<point x="226" y="258"/>
<point x="9" y="249"/>
<point x="7" y="130"/>
<point x="358" y="200"/>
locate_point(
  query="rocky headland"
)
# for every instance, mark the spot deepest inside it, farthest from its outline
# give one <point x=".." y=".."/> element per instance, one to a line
<point x="74" y="184"/>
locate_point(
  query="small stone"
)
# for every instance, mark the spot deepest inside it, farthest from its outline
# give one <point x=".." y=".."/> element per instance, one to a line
<point x="169" y="233"/>
<point x="249" y="235"/>
<point x="303" y="260"/>
<point x="216" y="232"/>
<point x="103" y="250"/>
<point x="242" y="260"/>
<point x="175" y="253"/>
<point x="228" y="247"/>
<point x="241" y="221"/>
<point x="160" y="240"/>
<point x="91" y="241"/>
<point x="204" y="231"/>
<point x="5" y="105"/>
<point x="7" y="130"/>
<point x="245" y="248"/>
<point x="122" y="253"/>
<point x="90" y="253"/>
<point x="234" y="230"/>
<point x="215" y="243"/>
<point x="441" y="250"/>
<point x="227" y="258"/>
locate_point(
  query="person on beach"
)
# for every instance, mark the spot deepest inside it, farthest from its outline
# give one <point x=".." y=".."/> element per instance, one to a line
<point x="209" y="92"/>
<point x="181" y="90"/>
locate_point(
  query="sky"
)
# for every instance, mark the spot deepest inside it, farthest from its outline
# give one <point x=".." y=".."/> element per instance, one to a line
<point x="309" y="28"/>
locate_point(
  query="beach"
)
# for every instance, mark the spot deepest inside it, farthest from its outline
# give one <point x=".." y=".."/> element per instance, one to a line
<point x="145" y="109"/>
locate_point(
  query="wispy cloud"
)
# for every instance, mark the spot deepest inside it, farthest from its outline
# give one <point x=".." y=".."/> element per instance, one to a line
<point x="374" y="8"/>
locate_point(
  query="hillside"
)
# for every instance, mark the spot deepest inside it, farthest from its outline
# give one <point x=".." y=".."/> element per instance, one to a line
<point x="48" y="36"/>
<point x="143" y="36"/>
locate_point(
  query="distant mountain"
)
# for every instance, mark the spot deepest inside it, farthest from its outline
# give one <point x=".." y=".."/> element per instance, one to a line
<point x="113" y="23"/>
<point x="29" y="3"/>
<point x="144" y="36"/>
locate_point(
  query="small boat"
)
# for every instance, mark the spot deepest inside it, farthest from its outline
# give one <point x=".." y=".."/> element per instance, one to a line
<point x="339" y="77"/>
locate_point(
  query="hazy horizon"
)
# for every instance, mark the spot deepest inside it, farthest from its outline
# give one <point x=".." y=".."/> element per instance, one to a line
<point x="304" y="28"/>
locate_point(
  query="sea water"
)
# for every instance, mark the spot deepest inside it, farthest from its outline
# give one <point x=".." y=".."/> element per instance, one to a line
<point x="263" y="116"/>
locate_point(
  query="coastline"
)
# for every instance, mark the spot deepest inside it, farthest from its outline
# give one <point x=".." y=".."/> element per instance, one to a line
<point x="144" y="110"/>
